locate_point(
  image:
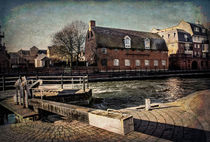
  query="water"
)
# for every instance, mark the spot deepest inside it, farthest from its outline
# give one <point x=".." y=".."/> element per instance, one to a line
<point x="6" y="117"/>
<point x="122" y="94"/>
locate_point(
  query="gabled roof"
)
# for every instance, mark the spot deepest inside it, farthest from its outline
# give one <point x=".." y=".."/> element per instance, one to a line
<point x="42" y="51"/>
<point x="114" y="38"/>
<point x="41" y="57"/>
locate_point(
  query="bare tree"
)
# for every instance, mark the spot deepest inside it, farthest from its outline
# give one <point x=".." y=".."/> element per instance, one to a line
<point x="72" y="38"/>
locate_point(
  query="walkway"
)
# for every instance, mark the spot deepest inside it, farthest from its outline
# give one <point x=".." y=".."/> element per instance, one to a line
<point x="184" y="120"/>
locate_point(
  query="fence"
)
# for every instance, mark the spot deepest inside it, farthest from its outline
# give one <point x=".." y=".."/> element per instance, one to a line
<point x="7" y="82"/>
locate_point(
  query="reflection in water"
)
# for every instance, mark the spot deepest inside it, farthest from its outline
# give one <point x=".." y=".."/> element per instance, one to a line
<point x="123" y="94"/>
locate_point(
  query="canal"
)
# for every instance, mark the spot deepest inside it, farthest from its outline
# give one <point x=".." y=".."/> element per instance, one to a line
<point x="122" y="94"/>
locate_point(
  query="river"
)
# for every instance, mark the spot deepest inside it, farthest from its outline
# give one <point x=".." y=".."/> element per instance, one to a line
<point x="122" y="94"/>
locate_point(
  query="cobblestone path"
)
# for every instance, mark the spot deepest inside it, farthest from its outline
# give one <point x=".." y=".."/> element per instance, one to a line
<point x="178" y="121"/>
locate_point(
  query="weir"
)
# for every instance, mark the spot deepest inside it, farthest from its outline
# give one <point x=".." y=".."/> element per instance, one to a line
<point x="31" y="96"/>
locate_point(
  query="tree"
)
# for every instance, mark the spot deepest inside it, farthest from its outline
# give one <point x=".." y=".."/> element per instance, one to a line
<point x="72" y="38"/>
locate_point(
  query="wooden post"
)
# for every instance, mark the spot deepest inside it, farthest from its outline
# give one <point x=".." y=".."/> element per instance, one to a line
<point x="147" y="104"/>
<point x="61" y="81"/>
<point x="16" y="95"/>
<point x="87" y="82"/>
<point x="3" y="82"/>
<point x="72" y="82"/>
<point x="26" y="97"/>
<point x="41" y="93"/>
<point x="84" y="84"/>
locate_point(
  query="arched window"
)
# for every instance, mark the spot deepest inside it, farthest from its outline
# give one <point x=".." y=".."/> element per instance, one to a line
<point x="147" y="43"/>
<point x="127" y="42"/>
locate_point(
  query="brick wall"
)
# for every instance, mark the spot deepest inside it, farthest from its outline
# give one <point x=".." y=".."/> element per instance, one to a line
<point x="132" y="55"/>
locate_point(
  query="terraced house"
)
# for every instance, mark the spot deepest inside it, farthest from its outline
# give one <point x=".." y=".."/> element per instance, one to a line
<point x="187" y="44"/>
<point x="111" y="49"/>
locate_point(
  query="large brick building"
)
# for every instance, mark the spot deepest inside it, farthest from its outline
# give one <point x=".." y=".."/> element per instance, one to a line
<point x="118" y="49"/>
<point x="187" y="44"/>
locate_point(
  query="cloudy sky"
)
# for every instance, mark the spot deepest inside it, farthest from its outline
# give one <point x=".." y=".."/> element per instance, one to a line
<point x="28" y="23"/>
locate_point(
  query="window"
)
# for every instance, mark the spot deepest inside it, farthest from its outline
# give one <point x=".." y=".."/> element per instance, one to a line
<point x="147" y="43"/>
<point x="186" y="37"/>
<point x="195" y="53"/>
<point x="163" y="62"/>
<point x="204" y="55"/>
<point x="203" y="30"/>
<point x="104" y="62"/>
<point x="162" y="36"/>
<point x="127" y="62"/>
<point x="196" y="29"/>
<point x="138" y="63"/>
<point x="174" y="34"/>
<point x="155" y="63"/>
<point x="146" y="62"/>
<point x="127" y="42"/>
<point x="198" y="45"/>
<point x="198" y="54"/>
<point x="104" y="50"/>
<point x="116" y="62"/>
<point x="168" y="35"/>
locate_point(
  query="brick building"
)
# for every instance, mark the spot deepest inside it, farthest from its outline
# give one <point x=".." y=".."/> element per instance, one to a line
<point x="4" y="57"/>
<point x="117" y="49"/>
<point x="187" y="44"/>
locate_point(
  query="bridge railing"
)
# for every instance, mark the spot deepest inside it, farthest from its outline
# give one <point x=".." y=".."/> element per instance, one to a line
<point x="8" y="82"/>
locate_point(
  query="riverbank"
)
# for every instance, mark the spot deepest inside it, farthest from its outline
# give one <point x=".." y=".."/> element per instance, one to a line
<point x="183" y="120"/>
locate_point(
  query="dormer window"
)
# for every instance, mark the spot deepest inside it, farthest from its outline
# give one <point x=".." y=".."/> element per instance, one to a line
<point x="147" y="43"/>
<point x="196" y="29"/>
<point x="203" y="30"/>
<point x="127" y="42"/>
<point x="186" y="37"/>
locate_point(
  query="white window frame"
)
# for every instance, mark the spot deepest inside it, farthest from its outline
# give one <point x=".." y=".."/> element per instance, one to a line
<point x="196" y="29"/>
<point x="147" y="43"/>
<point x="104" y="50"/>
<point x="163" y="62"/>
<point x="203" y="30"/>
<point x="116" y="62"/>
<point x="146" y="62"/>
<point x="127" y="62"/>
<point x="127" y="42"/>
<point x="155" y="63"/>
<point x="138" y="63"/>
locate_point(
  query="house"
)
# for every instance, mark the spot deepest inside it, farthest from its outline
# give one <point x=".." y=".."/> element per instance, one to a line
<point x="25" y="58"/>
<point x="16" y="62"/>
<point x="111" y="49"/>
<point x="187" y="44"/>
<point x="42" y="61"/>
<point x="4" y="57"/>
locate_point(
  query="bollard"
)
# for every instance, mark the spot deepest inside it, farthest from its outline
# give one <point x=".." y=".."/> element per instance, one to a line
<point x="62" y="81"/>
<point x="87" y="82"/>
<point x="3" y="82"/>
<point x="147" y="104"/>
<point x="84" y="84"/>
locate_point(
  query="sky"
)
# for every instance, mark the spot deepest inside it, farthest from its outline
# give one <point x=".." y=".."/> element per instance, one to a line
<point x="28" y="23"/>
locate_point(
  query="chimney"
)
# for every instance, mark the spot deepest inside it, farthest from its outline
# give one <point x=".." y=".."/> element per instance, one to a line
<point x="197" y="22"/>
<point x="92" y="24"/>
